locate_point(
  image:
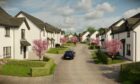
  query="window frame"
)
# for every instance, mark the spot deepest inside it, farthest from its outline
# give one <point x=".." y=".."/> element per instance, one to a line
<point x="6" y="53"/>
<point x="7" y="31"/>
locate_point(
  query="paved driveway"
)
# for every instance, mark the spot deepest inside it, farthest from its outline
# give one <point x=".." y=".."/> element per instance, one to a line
<point x="82" y="70"/>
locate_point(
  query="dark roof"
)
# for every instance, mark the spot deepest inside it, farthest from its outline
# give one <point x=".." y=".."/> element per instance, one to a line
<point x="51" y="28"/>
<point x="136" y="16"/>
<point x="126" y="26"/>
<point x="40" y="24"/>
<point x="8" y="20"/>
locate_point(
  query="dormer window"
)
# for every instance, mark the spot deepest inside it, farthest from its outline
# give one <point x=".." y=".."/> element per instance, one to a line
<point x="7" y="31"/>
<point x="128" y="34"/>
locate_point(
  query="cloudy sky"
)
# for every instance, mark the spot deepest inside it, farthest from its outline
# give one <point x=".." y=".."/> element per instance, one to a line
<point x="75" y="15"/>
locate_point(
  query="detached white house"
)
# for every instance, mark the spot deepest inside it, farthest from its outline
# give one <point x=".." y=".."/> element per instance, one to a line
<point x="128" y="32"/>
<point x="85" y="36"/>
<point x="19" y="32"/>
<point x="94" y="35"/>
<point x="13" y="43"/>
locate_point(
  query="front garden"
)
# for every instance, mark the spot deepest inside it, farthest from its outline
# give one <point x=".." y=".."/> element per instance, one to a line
<point x="27" y="68"/>
<point x="101" y="57"/>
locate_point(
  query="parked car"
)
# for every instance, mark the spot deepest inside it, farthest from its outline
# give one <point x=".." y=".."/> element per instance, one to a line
<point x="69" y="55"/>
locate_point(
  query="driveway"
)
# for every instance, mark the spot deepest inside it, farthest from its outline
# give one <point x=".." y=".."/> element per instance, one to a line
<point x="82" y="70"/>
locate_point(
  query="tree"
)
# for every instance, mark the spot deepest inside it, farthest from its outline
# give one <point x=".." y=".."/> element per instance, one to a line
<point x="95" y="41"/>
<point x="113" y="47"/>
<point x="39" y="47"/>
<point x="63" y="40"/>
<point x="91" y="29"/>
<point x="74" y="39"/>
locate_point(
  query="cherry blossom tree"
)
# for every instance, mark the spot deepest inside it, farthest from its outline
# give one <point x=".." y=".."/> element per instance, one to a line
<point x="95" y="41"/>
<point x="63" y="40"/>
<point x="40" y="46"/>
<point x="113" y="47"/>
<point x="74" y="39"/>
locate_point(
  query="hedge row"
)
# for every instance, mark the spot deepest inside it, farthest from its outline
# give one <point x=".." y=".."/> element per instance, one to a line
<point x="42" y="71"/>
<point x="130" y="73"/>
<point x="103" y="57"/>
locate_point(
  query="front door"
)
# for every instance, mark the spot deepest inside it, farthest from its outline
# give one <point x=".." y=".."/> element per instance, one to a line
<point x="24" y="51"/>
<point x="123" y="45"/>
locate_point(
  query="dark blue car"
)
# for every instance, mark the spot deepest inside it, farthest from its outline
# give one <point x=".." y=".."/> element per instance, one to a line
<point x="69" y="55"/>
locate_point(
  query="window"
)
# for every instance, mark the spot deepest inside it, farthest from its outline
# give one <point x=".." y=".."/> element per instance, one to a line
<point x="22" y="33"/>
<point x="44" y="33"/>
<point x="7" y="52"/>
<point x="128" y="50"/>
<point x="7" y="31"/>
<point x="128" y="34"/>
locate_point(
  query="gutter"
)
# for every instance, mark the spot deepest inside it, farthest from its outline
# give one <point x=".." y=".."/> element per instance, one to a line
<point x="135" y="45"/>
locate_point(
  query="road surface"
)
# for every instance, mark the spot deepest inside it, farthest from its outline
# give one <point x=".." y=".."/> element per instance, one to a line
<point x="82" y="70"/>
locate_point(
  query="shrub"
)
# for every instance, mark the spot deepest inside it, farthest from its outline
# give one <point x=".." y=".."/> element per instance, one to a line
<point x="45" y="58"/>
<point x="42" y="71"/>
<point x="57" y="45"/>
<point x="102" y="57"/>
<point x="91" y="47"/>
<point x="130" y="73"/>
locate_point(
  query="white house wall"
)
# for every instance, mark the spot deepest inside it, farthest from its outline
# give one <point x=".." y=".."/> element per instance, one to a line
<point x="5" y="41"/>
<point x="129" y="40"/>
<point x="137" y="29"/>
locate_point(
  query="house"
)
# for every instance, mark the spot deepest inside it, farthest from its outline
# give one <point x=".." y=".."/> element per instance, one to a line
<point x="13" y="43"/>
<point x="85" y="37"/>
<point x="94" y="35"/>
<point x="127" y="31"/>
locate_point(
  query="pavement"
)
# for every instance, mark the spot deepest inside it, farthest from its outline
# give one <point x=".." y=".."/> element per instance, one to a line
<point x="80" y="70"/>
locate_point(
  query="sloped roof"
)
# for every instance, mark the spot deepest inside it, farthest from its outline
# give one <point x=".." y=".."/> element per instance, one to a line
<point x="127" y="25"/>
<point x="51" y="28"/>
<point x="39" y="23"/>
<point x="136" y="16"/>
<point x="8" y="20"/>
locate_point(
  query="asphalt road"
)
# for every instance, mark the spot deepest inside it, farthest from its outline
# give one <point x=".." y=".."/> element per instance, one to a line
<point x="82" y="70"/>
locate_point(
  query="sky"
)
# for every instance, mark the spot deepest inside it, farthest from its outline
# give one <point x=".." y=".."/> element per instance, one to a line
<point x="75" y="15"/>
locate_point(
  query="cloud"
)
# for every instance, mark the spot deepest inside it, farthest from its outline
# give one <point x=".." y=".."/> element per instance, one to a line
<point x="94" y="14"/>
<point x="106" y="7"/>
<point x="131" y="12"/>
<point x="65" y="11"/>
<point x="85" y="5"/>
<point x="99" y="11"/>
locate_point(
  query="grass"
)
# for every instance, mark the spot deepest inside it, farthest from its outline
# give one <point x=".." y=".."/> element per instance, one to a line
<point x="60" y="50"/>
<point x="27" y="68"/>
<point x="69" y="44"/>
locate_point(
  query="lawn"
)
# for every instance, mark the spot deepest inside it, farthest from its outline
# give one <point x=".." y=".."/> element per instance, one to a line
<point x="69" y="44"/>
<point x="27" y="68"/>
<point x="59" y="50"/>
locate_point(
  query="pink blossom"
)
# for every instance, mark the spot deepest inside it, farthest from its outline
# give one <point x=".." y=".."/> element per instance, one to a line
<point x="113" y="46"/>
<point x="63" y="40"/>
<point x="40" y="46"/>
<point x="95" y="41"/>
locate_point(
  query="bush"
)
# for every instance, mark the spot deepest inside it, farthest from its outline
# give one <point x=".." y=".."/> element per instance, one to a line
<point x="45" y="58"/>
<point x="42" y="71"/>
<point x="57" y="45"/>
<point x="26" y="63"/>
<point x="91" y="47"/>
<point x="102" y="57"/>
<point x="130" y="73"/>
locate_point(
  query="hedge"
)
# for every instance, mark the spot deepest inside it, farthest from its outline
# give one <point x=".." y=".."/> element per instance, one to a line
<point x="130" y="73"/>
<point x="42" y="71"/>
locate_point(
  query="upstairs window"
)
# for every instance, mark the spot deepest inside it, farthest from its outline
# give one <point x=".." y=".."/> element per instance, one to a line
<point x="22" y="33"/>
<point x="7" y="31"/>
<point x="128" y="34"/>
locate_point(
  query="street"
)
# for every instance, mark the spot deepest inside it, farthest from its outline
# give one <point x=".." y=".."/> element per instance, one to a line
<point x="82" y="70"/>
